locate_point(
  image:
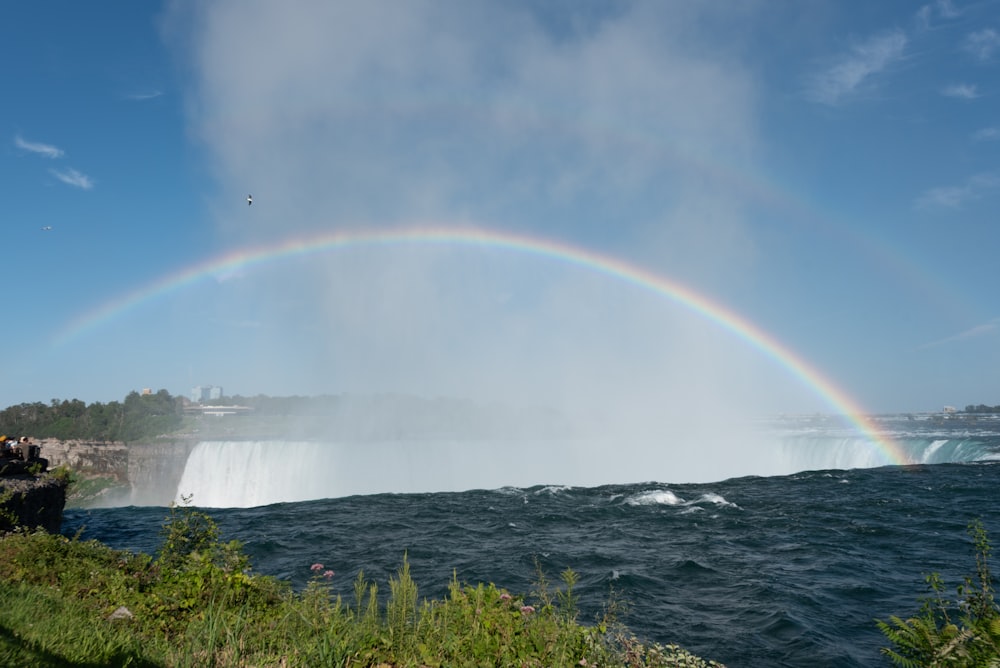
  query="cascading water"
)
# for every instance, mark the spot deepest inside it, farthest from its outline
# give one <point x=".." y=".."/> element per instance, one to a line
<point x="255" y="473"/>
<point x="818" y="452"/>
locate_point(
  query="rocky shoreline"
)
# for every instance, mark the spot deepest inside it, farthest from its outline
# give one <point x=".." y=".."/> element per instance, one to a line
<point x="103" y="473"/>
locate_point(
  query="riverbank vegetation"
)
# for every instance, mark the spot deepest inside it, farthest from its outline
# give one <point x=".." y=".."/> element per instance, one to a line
<point x="359" y="418"/>
<point x="197" y="603"/>
<point x="138" y="416"/>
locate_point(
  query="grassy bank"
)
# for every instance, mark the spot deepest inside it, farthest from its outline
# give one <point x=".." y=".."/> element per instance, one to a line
<point x="93" y="491"/>
<point x="198" y="603"/>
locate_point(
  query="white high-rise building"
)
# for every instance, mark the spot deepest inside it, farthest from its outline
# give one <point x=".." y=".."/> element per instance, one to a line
<point x="203" y="393"/>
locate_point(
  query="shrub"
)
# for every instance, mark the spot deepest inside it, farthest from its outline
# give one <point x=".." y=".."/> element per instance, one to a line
<point x="965" y="632"/>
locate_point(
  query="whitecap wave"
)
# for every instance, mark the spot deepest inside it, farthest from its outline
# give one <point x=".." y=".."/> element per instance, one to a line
<point x="553" y="489"/>
<point x="715" y="499"/>
<point x="655" y="497"/>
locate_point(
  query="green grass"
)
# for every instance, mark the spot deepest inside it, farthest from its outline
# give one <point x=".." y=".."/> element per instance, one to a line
<point x="198" y="603"/>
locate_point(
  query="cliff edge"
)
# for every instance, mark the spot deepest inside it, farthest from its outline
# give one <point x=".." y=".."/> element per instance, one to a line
<point x="32" y="501"/>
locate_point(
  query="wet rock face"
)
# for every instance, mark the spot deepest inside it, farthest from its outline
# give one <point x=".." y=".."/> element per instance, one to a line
<point x="32" y="501"/>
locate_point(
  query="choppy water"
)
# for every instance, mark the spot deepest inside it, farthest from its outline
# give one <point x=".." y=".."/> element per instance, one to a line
<point x="755" y="571"/>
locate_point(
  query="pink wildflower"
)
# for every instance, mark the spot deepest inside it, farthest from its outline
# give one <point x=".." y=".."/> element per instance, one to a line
<point x="316" y="568"/>
<point x="527" y="609"/>
<point x="328" y="574"/>
<point x="505" y="597"/>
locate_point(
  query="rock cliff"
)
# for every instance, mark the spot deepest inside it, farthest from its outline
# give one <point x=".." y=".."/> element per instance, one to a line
<point x="155" y="468"/>
<point x="144" y="473"/>
<point x="93" y="459"/>
<point x="32" y="501"/>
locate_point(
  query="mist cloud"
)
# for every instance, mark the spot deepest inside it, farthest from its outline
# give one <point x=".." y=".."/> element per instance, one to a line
<point x="611" y="129"/>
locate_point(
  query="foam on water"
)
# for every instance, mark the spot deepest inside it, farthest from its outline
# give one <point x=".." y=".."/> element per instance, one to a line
<point x="553" y="489"/>
<point x="714" y="499"/>
<point x="655" y="497"/>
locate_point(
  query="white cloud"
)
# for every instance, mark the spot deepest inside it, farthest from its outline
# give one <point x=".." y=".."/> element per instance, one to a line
<point x="982" y="44"/>
<point x="987" y="134"/>
<point x="973" y="332"/>
<point x="947" y="10"/>
<point x="955" y="197"/>
<point x="46" y="150"/>
<point x="142" y="97"/>
<point x="944" y="9"/>
<point x="73" y="177"/>
<point x="944" y="196"/>
<point x="69" y="176"/>
<point x="854" y="69"/>
<point x="961" y="91"/>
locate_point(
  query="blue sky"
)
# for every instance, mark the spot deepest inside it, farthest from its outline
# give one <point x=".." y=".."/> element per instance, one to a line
<point x="828" y="170"/>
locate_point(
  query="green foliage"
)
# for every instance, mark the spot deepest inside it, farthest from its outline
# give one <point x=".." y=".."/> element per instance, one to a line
<point x="401" y="608"/>
<point x="965" y="632"/>
<point x="187" y="533"/>
<point x="85" y="491"/>
<point x="8" y="518"/>
<point x="64" y="474"/>
<point x="139" y="416"/>
<point x="198" y="604"/>
<point x="982" y="408"/>
<point x="566" y="597"/>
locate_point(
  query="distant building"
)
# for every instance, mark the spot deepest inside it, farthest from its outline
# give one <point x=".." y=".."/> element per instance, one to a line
<point x="147" y="391"/>
<point x="204" y="393"/>
<point x="218" y="411"/>
<point x="950" y="409"/>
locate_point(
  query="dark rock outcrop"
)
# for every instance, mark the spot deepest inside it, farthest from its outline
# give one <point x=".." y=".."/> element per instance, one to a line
<point x="32" y="501"/>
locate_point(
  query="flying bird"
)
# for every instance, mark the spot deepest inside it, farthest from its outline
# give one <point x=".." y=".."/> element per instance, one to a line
<point x="249" y="200"/>
<point x="46" y="228"/>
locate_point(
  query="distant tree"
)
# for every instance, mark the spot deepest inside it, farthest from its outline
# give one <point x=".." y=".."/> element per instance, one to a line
<point x="982" y="408"/>
<point x="140" y="416"/>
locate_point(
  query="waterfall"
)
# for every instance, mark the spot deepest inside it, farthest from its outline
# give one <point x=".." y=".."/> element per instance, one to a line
<point x="255" y="473"/>
<point x="820" y="451"/>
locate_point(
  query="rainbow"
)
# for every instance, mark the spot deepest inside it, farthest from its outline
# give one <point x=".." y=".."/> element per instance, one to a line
<point x="836" y="398"/>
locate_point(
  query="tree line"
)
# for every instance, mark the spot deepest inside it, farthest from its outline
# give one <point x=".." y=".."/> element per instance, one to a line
<point x="138" y="416"/>
<point x="982" y="408"/>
